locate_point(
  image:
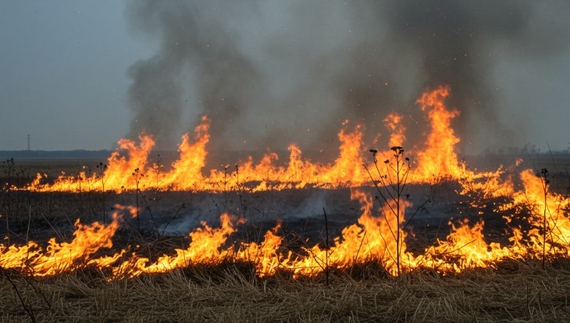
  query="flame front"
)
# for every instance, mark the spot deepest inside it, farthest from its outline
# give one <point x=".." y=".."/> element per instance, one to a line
<point x="438" y="159"/>
<point x="378" y="236"/>
<point x="374" y="238"/>
<point x="65" y="256"/>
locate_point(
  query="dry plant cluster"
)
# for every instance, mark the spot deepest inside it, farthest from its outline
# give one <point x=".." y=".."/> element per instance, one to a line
<point x="516" y="292"/>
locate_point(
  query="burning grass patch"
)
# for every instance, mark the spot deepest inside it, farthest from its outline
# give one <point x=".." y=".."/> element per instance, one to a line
<point x="421" y="239"/>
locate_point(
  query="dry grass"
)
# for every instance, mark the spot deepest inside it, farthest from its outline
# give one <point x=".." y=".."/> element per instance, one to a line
<point x="516" y="292"/>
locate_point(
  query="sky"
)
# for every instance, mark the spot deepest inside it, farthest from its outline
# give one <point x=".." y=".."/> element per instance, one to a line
<point x="83" y="74"/>
<point x="63" y="67"/>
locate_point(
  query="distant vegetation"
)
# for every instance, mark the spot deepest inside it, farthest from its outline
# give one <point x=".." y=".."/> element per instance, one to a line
<point x="57" y="154"/>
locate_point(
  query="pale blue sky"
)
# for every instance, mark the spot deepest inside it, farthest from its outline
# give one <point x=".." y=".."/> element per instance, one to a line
<point x="63" y="73"/>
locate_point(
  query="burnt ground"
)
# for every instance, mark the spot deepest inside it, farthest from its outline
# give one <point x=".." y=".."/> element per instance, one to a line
<point x="166" y="218"/>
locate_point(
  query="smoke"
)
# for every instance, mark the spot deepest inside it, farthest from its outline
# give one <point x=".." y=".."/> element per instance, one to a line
<point x="262" y="211"/>
<point x="269" y="73"/>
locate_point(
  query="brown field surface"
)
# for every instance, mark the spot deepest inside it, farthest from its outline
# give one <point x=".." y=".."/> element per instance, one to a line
<point x="516" y="292"/>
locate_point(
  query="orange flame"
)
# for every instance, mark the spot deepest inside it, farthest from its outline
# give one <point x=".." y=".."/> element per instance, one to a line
<point x="378" y="235"/>
<point x="64" y="256"/>
<point x="438" y="159"/>
<point x="549" y="218"/>
<point x="393" y="122"/>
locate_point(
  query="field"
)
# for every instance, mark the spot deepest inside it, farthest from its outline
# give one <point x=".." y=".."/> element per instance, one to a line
<point x="515" y="292"/>
<point x="371" y="236"/>
<point x="231" y="289"/>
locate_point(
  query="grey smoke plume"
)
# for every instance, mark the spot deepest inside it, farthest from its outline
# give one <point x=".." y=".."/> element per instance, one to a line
<point x="273" y="72"/>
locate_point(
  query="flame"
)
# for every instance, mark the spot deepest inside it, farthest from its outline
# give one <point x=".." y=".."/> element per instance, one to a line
<point x="379" y="235"/>
<point x="65" y="256"/>
<point x="133" y="170"/>
<point x="186" y="173"/>
<point x="393" y="123"/>
<point x="550" y="233"/>
<point x="438" y="158"/>
<point x="205" y="248"/>
<point x="465" y="247"/>
<point x="265" y="256"/>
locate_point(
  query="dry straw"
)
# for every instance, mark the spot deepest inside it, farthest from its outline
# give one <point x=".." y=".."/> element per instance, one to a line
<point x="515" y="292"/>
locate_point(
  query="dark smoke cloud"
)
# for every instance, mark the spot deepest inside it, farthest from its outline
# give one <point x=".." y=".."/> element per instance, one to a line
<point x="194" y="40"/>
<point x="269" y="73"/>
<point x="455" y="41"/>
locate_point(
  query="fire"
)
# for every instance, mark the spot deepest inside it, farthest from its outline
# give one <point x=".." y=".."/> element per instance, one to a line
<point x="135" y="172"/>
<point x="377" y="238"/>
<point x="549" y="218"/>
<point x="438" y="158"/>
<point x="393" y="123"/>
<point x="265" y="256"/>
<point x="205" y="247"/>
<point x="186" y="172"/>
<point x="379" y="235"/>
<point x="208" y="246"/>
<point x="64" y="256"/>
<point x="465" y="247"/>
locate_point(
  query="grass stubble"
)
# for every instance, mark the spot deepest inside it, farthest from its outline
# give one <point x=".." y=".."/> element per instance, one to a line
<point x="515" y="291"/>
